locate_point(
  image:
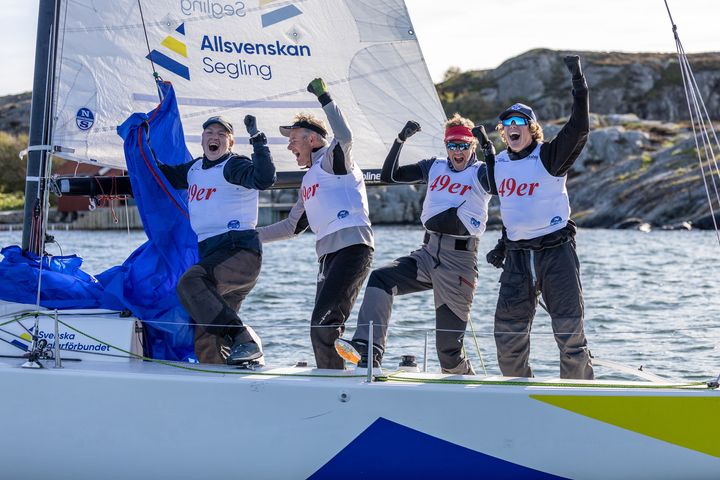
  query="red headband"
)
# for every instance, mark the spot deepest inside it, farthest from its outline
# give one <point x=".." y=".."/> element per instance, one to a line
<point x="458" y="132"/>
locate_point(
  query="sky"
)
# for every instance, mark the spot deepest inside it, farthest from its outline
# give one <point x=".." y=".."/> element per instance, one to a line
<point x="469" y="34"/>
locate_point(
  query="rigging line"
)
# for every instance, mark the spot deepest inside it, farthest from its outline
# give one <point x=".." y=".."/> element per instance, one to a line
<point x="477" y="346"/>
<point x="47" y="124"/>
<point x="156" y="76"/>
<point x="185" y="366"/>
<point x="697" y="123"/>
<point x="707" y="141"/>
<point x="687" y="78"/>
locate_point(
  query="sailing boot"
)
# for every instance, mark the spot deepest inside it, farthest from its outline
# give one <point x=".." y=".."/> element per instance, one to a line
<point x="244" y="349"/>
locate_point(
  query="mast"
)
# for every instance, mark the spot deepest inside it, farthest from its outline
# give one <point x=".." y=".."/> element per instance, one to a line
<point x="40" y="125"/>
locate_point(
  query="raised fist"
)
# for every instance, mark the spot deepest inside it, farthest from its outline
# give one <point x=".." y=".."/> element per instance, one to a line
<point x="251" y="124"/>
<point x="573" y="65"/>
<point x="317" y="87"/>
<point x="482" y="136"/>
<point x="410" y="129"/>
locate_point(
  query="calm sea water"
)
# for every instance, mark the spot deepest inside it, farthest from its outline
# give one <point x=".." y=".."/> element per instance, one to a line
<point x="652" y="299"/>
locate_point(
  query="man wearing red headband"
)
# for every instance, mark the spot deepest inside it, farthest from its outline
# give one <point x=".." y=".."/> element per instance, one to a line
<point x="454" y="215"/>
<point x="538" y="244"/>
<point x="333" y="202"/>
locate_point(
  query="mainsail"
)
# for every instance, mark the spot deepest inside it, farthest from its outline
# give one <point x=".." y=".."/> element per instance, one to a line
<point x="235" y="58"/>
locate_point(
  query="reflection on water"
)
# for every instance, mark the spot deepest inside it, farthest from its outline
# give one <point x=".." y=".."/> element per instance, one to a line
<point x="651" y="298"/>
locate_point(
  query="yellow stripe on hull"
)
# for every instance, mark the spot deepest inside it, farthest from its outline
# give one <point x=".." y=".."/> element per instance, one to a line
<point x="690" y="422"/>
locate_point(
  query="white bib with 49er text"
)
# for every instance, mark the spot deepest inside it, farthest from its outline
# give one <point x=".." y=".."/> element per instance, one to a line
<point x="533" y="203"/>
<point x="462" y="190"/>
<point x="217" y="206"/>
<point x="333" y="202"/>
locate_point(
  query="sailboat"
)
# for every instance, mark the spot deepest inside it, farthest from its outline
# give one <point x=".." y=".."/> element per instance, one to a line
<point x="101" y="408"/>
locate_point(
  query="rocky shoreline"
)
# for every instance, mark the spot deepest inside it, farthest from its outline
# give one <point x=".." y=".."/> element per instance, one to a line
<point x="638" y="170"/>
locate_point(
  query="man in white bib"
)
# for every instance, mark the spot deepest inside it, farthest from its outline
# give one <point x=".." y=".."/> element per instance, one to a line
<point x="333" y="202"/>
<point x="454" y="215"/>
<point x="537" y="250"/>
<point x="223" y="205"/>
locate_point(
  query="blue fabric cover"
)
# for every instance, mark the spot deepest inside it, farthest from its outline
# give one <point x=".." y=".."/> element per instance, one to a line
<point x="145" y="282"/>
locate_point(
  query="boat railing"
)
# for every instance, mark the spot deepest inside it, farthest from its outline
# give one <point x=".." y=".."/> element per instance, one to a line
<point x="60" y="320"/>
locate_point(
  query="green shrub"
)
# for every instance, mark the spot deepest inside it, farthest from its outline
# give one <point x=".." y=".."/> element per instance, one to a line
<point x="12" y="169"/>
<point x="11" y="201"/>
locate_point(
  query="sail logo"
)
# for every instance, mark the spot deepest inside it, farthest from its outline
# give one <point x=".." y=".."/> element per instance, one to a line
<point x="214" y="10"/>
<point x="278" y="15"/>
<point x="84" y="119"/>
<point x="168" y="63"/>
<point x="555" y="220"/>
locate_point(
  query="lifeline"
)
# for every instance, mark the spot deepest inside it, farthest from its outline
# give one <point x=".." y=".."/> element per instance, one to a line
<point x="216" y="44"/>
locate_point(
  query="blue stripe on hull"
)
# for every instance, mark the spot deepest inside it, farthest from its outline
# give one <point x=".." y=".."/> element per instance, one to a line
<point x="389" y="450"/>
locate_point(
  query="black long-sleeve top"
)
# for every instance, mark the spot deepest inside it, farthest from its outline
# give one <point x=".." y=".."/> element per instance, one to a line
<point x="257" y="173"/>
<point x="557" y="156"/>
<point x="444" y="222"/>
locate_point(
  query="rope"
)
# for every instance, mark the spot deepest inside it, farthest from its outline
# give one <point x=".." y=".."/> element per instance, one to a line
<point x="701" y="123"/>
<point x="456" y="381"/>
<point x="477" y="346"/>
<point x="156" y="75"/>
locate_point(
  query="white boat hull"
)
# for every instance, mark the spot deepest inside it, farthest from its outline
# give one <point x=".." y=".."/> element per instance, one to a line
<point x="131" y="419"/>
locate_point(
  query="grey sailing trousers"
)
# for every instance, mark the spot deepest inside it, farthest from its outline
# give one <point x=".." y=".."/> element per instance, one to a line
<point x="442" y="265"/>
<point x="211" y="291"/>
<point x="554" y="273"/>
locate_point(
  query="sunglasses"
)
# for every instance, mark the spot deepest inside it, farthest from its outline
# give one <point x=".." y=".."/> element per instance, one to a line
<point x="457" y="146"/>
<point x="519" y="121"/>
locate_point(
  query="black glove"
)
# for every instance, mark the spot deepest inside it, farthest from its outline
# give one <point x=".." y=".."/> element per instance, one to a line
<point x="410" y="129"/>
<point x="573" y="65"/>
<point x="317" y="87"/>
<point x="496" y="256"/>
<point x="482" y="136"/>
<point x="251" y="125"/>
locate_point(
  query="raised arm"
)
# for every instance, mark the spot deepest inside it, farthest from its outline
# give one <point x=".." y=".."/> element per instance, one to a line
<point x="339" y="159"/>
<point x="392" y="172"/>
<point x="258" y="173"/>
<point x="559" y="155"/>
<point x="486" y="175"/>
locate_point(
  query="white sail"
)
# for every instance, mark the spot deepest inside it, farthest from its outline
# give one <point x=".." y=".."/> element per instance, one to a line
<point x="235" y="58"/>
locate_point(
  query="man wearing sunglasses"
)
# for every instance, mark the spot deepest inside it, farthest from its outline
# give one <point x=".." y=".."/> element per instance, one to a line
<point x="538" y="243"/>
<point x="454" y="215"/>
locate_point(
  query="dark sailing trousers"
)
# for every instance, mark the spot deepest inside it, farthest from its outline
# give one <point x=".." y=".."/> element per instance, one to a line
<point x="447" y="267"/>
<point x="555" y="273"/>
<point x="211" y="291"/>
<point x="340" y="279"/>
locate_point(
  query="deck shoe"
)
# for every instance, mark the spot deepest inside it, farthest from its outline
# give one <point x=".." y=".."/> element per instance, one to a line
<point x="376" y="356"/>
<point x="243" y="352"/>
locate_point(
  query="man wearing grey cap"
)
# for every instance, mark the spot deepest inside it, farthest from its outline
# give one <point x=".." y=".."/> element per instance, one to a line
<point x="333" y="202"/>
<point x="537" y="250"/>
<point x="223" y="205"/>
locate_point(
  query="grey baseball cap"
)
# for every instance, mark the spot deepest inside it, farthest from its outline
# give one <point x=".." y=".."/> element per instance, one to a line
<point x="220" y="120"/>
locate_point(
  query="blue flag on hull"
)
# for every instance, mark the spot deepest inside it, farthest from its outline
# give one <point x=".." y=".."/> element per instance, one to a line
<point x="145" y="282"/>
